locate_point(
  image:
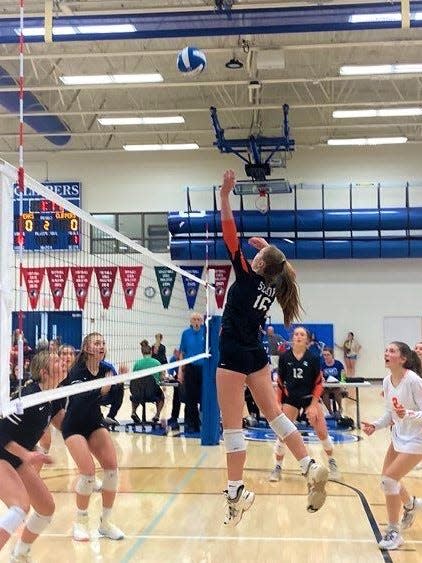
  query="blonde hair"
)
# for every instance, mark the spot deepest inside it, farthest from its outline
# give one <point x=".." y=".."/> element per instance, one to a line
<point x="39" y="362"/>
<point x="279" y="273"/>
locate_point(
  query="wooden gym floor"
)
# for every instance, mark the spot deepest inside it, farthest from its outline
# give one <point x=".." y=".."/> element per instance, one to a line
<point x="171" y="508"/>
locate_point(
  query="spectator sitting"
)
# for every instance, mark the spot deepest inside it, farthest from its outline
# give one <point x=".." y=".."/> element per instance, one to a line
<point x="146" y="389"/>
<point x="332" y="371"/>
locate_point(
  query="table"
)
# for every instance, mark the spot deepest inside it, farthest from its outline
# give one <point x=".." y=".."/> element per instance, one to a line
<point x="357" y="386"/>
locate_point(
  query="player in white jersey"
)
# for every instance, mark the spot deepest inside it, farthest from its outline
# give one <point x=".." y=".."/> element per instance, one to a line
<point x="403" y="399"/>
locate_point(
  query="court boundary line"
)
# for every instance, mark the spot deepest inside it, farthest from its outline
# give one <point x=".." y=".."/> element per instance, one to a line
<point x="371" y="519"/>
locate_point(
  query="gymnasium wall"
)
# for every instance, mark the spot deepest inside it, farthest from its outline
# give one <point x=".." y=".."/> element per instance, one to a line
<point x="353" y="295"/>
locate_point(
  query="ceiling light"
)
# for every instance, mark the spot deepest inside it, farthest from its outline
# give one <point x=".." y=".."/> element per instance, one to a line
<point x="171" y="119"/>
<point x="112" y="79"/>
<point x="380" y="69"/>
<point x="369" y="18"/>
<point x="74" y="30"/>
<point x="368" y="141"/>
<point x="234" y="64"/>
<point x="163" y="147"/>
<point x="389" y="112"/>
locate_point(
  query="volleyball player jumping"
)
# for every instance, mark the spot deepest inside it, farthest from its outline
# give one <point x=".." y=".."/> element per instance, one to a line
<point x="243" y="359"/>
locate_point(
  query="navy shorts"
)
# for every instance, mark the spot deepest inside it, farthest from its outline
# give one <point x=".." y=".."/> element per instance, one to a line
<point x="238" y="358"/>
<point x="84" y="430"/>
<point x="297" y="402"/>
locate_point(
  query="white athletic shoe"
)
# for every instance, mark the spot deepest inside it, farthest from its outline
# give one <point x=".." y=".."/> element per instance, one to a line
<point x="23" y="558"/>
<point x="409" y="514"/>
<point x="334" y="472"/>
<point x="317" y="476"/>
<point x="391" y="540"/>
<point x="109" y="530"/>
<point x="237" y="506"/>
<point x="81" y="529"/>
<point x="275" y="474"/>
<point x="98" y="485"/>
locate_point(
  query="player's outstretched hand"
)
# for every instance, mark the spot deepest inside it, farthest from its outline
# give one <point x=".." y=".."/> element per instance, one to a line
<point x="229" y="182"/>
<point x="258" y="242"/>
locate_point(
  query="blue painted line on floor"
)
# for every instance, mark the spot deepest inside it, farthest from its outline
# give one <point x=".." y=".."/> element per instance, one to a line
<point x="160" y="515"/>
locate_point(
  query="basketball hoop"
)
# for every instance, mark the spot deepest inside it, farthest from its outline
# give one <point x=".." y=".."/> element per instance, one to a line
<point x="261" y="202"/>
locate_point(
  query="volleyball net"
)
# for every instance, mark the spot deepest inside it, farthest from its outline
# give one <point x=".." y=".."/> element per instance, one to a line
<point x="64" y="274"/>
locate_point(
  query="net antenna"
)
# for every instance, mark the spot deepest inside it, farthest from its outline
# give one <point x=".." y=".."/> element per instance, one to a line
<point x="115" y="287"/>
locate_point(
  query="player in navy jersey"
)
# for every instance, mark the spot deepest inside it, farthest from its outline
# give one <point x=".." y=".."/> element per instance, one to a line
<point x="86" y="435"/>
<point x="243" y="359"/>
<point x="20" y="484"/>
<point x="300" y="382"/>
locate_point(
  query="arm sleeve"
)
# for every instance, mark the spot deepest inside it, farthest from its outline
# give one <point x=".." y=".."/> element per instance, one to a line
<point x="240" y="264"/>
<point x="318" y="388"/>
<point x="182" y="344"/>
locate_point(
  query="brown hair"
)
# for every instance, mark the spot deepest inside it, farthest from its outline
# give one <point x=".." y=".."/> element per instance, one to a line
<point x="39" y="361"/>
<point x="328" y="349"/>
<point x="279" y="273"/>
<point x="146" y="349"/>
<point x="412" y="359"/>
<point x="82" y="356"/>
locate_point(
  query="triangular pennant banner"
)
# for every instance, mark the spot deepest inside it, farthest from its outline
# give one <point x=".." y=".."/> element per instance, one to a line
<point x="81" y="278"/>
<point x="165" y="278"/>
<point x="33" y="279"/>
<point x="106" y="276"/>
<point x="222" y="275"/>
<point x="130" y="276"/>
<point x="57" y="278"/>
<point x="191" y="286"/>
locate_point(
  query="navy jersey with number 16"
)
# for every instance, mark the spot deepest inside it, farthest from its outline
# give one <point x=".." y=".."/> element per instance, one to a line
<point x="248" y="299"/>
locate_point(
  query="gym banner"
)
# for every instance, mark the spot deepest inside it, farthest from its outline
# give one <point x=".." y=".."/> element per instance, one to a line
<point x="33" y="280"/>
<point x="222" y="275"/>
<point x="165" y="278"/>
<point x="81" y="278"/>
<point x="130" y="276"/>
<point x="57" y="278"/>
<point x="106" y="276"/>
<point x="191" y="286"/>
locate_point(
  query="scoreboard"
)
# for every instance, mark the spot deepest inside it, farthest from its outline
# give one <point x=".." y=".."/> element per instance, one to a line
<point x="45" y="225"/>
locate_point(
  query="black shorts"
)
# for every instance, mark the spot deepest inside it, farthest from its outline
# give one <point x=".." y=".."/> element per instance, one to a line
<point x="241" y="359"/>
<point x="297" y="402"/>
<point x="84" y="429"/>
<point x="155" y="396"/>
<point x="14" y="461"/>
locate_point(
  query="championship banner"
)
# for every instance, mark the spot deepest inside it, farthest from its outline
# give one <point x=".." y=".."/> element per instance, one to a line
<point x="106" y="276"/>
<point x="165" y="278"/>
<point x="81" y="278"/>
<point x="222" y="275"/>
<point x="130" y="276"/>
<point x="191" y="286"/>
<point x="33" y="280"/>
<point x="57" y="278"/>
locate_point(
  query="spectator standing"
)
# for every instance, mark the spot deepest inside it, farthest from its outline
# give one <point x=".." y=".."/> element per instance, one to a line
<point x="190" y="375"/>
<point x="159" y="350"/>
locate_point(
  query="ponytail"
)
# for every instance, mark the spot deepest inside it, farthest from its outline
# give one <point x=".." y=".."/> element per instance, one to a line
<point x="279" y="273"/>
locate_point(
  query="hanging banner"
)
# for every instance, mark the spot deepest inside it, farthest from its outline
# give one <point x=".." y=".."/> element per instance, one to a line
<point x="165" y="278"/>
<point x="130" y="276"/>
<point x="81" y="278"/>
<point x="222" y="275"/>
<point x="57" y="278"/>
<point x="191" y="286"/>
<point x="106" y="276"/>
<point x="33" y="280"/>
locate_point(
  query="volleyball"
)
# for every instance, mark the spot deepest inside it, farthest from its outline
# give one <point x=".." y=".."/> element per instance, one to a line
<point x="191" y="61"/>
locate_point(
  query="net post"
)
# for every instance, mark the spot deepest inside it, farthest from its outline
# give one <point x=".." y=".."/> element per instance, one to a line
<point x="6" y="243"/>
<point x="210" y="428"/>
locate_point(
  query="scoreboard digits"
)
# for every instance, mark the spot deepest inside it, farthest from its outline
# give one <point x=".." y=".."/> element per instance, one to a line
<point x="44" y="224"/>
